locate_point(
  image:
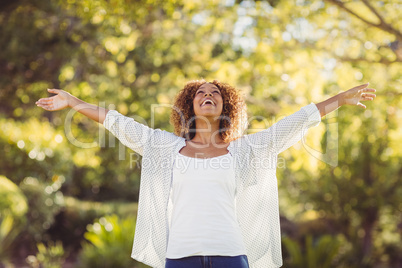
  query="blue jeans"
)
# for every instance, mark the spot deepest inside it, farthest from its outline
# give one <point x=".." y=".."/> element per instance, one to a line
<point x="208" y="262"/>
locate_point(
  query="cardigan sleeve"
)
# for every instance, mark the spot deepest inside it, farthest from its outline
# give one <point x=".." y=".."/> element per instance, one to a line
<point x="286" y="132"/>
<point x="131" y="133"/>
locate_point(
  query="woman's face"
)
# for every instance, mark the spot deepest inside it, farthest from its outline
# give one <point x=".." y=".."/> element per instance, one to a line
<point x="208" y="101"/>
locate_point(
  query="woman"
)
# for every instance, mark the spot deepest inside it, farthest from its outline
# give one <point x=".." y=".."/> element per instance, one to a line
<point x="208" y="194"/>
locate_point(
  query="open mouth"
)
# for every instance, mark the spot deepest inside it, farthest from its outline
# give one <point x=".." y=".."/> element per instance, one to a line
<point x="208" y="102"/>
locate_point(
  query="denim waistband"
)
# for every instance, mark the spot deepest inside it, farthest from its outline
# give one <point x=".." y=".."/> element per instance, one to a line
<point x="240" y="261"/>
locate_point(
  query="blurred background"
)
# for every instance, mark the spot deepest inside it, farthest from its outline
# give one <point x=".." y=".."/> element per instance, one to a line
<point x="62" y="205"/>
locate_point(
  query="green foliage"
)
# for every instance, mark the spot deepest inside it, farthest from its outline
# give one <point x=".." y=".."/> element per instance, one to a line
<point x="44" y="202"/>
<point x="51" y="256"/>
<point x="13" y="207"/>
<point x="319" y="253"/>
<point x="99" y="209"/>
<point x="110" y="243"/>
<point x="77" y="214"/>
<point x="8" y="233"/>
<point x="40" y="153"/>
<point x="12" y="200"/>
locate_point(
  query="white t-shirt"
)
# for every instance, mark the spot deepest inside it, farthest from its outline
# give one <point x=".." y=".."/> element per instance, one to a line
<point x="204" y="218"/>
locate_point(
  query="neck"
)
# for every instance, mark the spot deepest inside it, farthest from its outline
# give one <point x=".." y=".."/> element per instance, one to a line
<point x="207" y="131"/>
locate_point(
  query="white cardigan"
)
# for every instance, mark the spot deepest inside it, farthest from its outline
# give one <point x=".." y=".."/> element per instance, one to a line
<point x="255" y="157"/>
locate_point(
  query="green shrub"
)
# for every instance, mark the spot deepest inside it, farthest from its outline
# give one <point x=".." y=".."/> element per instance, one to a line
<point x="72" y="221"/>
<point x="319" y="253"/>
<point x="110" y="244"/>
<point x="52" y="256"/>
<point x="12" y="199"/>
<point x="44" y="202"/>
<point x="13" y="207"/>
<point x="88" y="209"/>
<point x="7" y="236"/>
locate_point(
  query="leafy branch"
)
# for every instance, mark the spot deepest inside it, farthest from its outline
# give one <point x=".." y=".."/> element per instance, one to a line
<point x="381" y="25"/>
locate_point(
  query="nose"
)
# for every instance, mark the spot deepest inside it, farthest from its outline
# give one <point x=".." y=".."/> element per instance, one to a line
<point x="206" y="94"/>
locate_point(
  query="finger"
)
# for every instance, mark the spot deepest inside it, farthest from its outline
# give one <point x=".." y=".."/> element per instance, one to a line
<point x="41" y="104"/>
<point x="45" y="100"/>
<point x="46" y="107"/>
<point x="362" y="86"/>
<point x="361" y="105"/>
<point x="369" y="90"/>
<point x="368" y="95"/>
<point x="44" y="104"/>
<point x="52" y="90"/>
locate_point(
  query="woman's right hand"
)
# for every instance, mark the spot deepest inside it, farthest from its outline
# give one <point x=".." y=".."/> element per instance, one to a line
<point x="55" y="103"/>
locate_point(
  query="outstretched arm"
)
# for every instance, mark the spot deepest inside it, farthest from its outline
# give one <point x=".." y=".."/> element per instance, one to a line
<point x="291" y="129"/>
<point x="64" y="99"/>
<point x="131" y="133"/>
<point x="353" y="96"/>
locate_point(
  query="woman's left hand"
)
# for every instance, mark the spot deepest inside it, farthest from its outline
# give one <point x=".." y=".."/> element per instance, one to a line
<point x="355" y="95"/>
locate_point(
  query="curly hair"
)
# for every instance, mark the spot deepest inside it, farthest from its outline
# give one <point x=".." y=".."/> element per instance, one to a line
<point x="234" y="111"/>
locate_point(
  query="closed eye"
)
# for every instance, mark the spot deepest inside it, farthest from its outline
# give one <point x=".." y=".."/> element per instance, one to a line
<point x="212" y="92"/>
